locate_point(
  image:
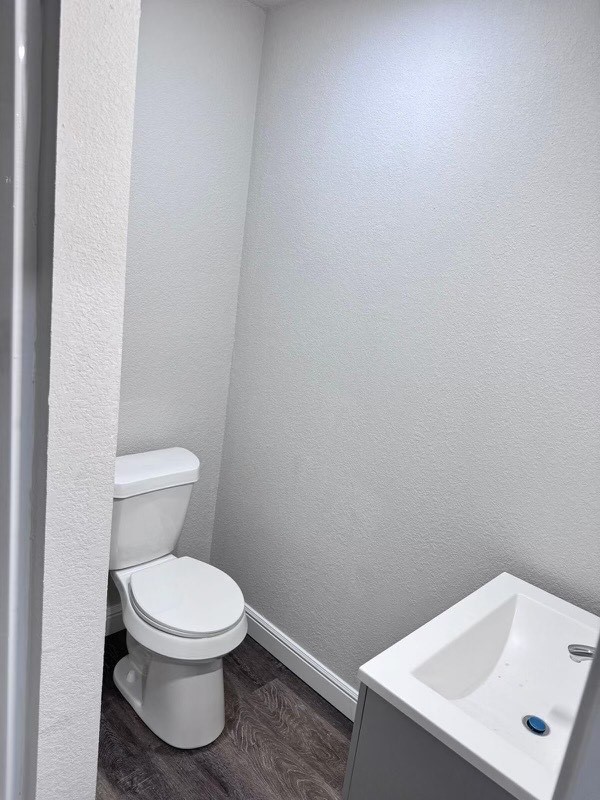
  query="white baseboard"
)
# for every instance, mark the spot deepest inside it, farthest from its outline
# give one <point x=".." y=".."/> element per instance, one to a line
<point x="309" y="669"/>
<point x="114" y="619"/>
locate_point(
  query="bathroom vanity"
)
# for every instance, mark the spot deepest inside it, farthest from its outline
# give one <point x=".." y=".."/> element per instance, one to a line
<point x="393" y="758"/>
<point x="478" y="703"/>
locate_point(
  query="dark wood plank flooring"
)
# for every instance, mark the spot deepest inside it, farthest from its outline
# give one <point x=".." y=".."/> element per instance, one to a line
<point x="282" y="741"/>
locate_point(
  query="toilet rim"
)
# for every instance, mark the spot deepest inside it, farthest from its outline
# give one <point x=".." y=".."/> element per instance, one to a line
<point x="168" y="644"/>
<point x="154" y="623"/>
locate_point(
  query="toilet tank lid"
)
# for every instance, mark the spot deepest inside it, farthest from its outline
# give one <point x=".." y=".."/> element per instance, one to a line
<point x="139" y="473"/>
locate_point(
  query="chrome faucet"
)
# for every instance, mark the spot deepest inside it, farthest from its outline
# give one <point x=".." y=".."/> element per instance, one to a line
<point x="581" y="652"/>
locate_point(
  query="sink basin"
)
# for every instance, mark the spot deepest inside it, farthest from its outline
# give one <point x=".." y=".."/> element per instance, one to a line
<point x="473" y="675"/>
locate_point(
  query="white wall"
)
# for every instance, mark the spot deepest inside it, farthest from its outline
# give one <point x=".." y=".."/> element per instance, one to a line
<point x="98" y="40"/>
<point x="198" y="71"/>
<point x="415" y="401"/>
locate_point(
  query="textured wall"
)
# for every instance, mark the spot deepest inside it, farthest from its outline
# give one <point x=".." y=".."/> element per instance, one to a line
<point x="415" y="398"/>
<point x="198" y="70"/>
<point x="270" y="3"/>
<point x="98" y="40"/>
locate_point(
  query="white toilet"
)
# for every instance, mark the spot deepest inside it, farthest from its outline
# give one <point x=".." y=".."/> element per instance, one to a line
<point x="182" y="615"/>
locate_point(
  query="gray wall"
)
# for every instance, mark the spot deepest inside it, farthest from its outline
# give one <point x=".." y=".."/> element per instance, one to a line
<point x="414" y="402"/>
<point x="198" y="70"/>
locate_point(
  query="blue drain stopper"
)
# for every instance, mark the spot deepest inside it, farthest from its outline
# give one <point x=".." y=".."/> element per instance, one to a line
<point x="537" y="725"/>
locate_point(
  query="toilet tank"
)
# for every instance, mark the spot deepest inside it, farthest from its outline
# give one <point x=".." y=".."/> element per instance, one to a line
<point x="151" y="496"/>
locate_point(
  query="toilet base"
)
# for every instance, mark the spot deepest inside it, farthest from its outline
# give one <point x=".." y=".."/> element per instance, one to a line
<point x="182" y="702"/>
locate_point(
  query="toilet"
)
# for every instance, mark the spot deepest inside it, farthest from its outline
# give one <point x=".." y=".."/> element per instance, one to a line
<point x="182" y="615"/>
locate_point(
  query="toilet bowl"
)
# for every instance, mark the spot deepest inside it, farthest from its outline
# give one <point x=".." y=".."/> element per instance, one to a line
<point x="182" y="615"/>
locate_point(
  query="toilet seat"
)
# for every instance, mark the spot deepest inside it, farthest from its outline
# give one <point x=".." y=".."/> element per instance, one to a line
<point x="185" y="597"/>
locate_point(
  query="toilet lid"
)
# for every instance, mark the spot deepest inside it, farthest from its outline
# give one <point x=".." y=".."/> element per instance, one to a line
<point x="187" y="598"/>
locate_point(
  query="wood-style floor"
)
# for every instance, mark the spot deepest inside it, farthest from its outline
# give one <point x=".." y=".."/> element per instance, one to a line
<point x="282" y="741"/>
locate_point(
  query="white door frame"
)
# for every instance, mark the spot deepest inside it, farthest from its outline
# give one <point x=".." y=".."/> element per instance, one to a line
<point x="29" y="41"/>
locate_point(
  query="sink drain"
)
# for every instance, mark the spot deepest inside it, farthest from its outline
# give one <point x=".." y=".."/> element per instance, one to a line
<point x="536" y="725"/>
